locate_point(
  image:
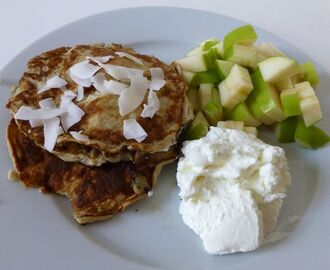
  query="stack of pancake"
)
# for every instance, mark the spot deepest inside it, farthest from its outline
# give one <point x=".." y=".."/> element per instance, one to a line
<point x="104" y="174"/>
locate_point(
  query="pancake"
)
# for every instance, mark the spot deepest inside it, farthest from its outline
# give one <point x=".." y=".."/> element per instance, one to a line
<point x="102" y="122"/>
<point x="96" y="193"/>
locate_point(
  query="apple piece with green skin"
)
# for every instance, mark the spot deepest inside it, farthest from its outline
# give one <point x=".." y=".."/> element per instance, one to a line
<point x="197" y="51"/>
<point x="277" y="68"/>
<point x="187" y="76"/>
<point x="195" y="63"/>
<point x="236" y="87"/>
<point x="242" y="113"/>
<point x="284" y="84"/>
<point x="223" y="68"/>
<point x="213" y="113"/>
<point x="192" y="95"/>
<point x="216" y="96"/>
<point x="198" y="128"/>
<point x="310" y="137"/>
<point x="210" y="76"/>
<point x="243" y="55"/>
<point x="231" y="124"/>
<point x="209" y="43"/>
<point x="310" y="73"/>
<point x="311" y="110"/>
<point x="305" y="90"/>
<point x="269" y="50"/>
<point x="241" y="35"/>
<point x="291" y="102"/>
<point x="204" y="94"/>
<point x="285" y="130"/>
<point x="266" y="97"/>
<point x="219" y="49"/>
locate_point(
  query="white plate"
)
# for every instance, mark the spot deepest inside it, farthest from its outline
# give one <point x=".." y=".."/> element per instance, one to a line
<point x="38" y="231"/>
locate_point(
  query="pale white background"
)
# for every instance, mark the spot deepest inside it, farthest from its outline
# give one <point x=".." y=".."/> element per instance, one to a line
<point x="303" y="23"/>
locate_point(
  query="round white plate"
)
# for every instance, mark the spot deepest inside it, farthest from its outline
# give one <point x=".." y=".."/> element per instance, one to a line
<point x="38" y="231"/>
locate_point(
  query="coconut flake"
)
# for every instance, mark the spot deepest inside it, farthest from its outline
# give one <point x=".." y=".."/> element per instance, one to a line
<point x="80" y="93"/>
<point x="35" y="123"/>
<point x="131" y="97"/>
<point x="50" y="132"/>
<point x="100" y="59"/>
<point x="66" y="99"/>
<point x="133" y="130"/>
<point x="122" y="73"/>
<point x="47" y="103"/>
<point x="83" y="70"/>
<point x="82" y="82"/>
<point x="114" y="87"/>
<point x="78" y="136"/>
<point x="72" y="116"/>
<point x="54" y="82"/>
<point x="130" y="57"/>
<point x="152" y="107"/>
<point x="27" y="113"/>
<point x="157" y="79"/>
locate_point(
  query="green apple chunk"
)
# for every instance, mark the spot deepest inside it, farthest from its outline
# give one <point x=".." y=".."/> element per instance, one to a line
<point x="216" y="96"/>
<point x="242" y="113"/>
<point x="284" y="84"/>
<point x="197" y="51"/>
<point x="204" y="77"/>
<point x="231" y="124"/>
<point x="207" y="44"/>
<point x="310" y="137"/>
<point x="285" y="130"/>
<point x="193" y="98"/>
<point x="304" y="90"/>
<point x="290" y="102"/>
<point x="241" y="35"/>
<point x="204" y="94"/>
<point x="219" y="49"/>
<point x="195" y="63"/>
<point x="310" y="73"/>
<point x="243" y="55"/>
<point x="311" y="110"/>
<point x="198" y="128"/>
<point x="269" y="50"/>
<point x="187" y="76"/>
<point x="277" y="68"/>
<point x="223" y="68"/>
<point x="213" y="113"/>
<point x="266" y="97"/>
<point x="236" y="87"/>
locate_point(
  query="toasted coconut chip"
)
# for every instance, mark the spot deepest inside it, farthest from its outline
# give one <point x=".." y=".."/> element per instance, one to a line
<point x="98" y="78"/>
<point x="83" y="70"/>
<point x="100" y="59"/>
<point x="152" y="107"/>
<point x="82" y="82"/>
<point x="54" y="82"/>
<point x="130" y="57"/>
<point x="157" y="79"/>
<point x="27" y="113"/>
<point x="133" y="96"/>
<point x="114" y="87"/>
<point x="72" y="116"/>
<point x="121" y="73"/>
<point x="78" y="136"/>
<point x="133" y="130"/>
<point x="50" y="132"/>
<point x="80" y="93"/>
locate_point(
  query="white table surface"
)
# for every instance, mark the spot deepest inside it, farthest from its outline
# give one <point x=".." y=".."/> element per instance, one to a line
<point x="303" y="23"/>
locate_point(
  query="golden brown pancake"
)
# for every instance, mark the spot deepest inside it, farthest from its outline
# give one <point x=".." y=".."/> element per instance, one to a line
<point x="96" y="193"/>
<point x="102" y="122"/>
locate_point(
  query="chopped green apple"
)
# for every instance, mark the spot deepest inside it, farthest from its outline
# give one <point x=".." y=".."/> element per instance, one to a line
<point x="242" y="113"/>
<point x="241" y="35"/>
<point x="310" y="73"/>
<point x="223" y="68"/>
<point x="205" y="94"/>
<point x="284" y="84"/>
<point x="266" y="97"/>
<point x="304" y="90"/>
<point x="187" y="76"/>
<point x="216" y="96"/>
<point x="236" y="87"/>
<point x="290" y="102"/>
<point x="231" y="124"/>
<point x="198" y="128"/>
<point x="310" y="137"/>
<point x="251" y="130"/>
<point x="207" y="44"/>
<point x="219" y="48"/>
<point x="213" y="112"/>
<point x="311" y="110"/>
<point x="196" y="51"/>
<point x="193" y="97"/>
<point x="242" y="55"/>
<point x="210" y="76"/>
<point x="285" y="130"/>
<point x="195" y="63"/>
<point x="269" y="50"/>
<point x="277" y="68"/>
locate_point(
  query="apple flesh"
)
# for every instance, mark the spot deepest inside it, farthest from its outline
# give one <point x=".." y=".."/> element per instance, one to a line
<point x="242" y="113"/>
<point x="223" y="68"/>
<point x="310" y="73"/>
<point x="290" y="102"/>
<point x="210" y="76"/>
<point x="213" y="113"/>
<point x="310" y="137"/>
<point x="285" y="130"/>
<point x="269" y="50"/>
<point x="242" y="55"/>
<point x="231" y="124"/>
<point x="236" y="87"/>
<point x="241" y="35"/>
<point x="284" y="84"/>
<point x="204" y="94"/>
<point x="277" y="68"/>
<point x="192" y="95"/>
<point x="195" y="63"/>
<point x="198" y="128"/>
